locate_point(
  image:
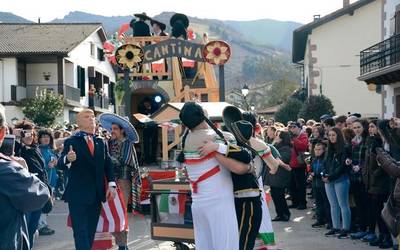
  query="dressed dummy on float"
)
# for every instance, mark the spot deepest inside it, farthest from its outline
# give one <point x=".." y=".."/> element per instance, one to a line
<point x="179" y="24"/>
<point x="139" y="25"/>
<point x="158" y="28"/>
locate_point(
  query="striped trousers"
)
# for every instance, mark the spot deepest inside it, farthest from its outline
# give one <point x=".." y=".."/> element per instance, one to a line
<point x="249" y="215"/>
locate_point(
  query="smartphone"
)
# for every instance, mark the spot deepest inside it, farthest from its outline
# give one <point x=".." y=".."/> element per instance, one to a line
<point x="8" y="146"/>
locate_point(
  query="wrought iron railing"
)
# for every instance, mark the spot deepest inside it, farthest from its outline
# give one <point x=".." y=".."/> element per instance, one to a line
<point x="381" y="55"/>
<point x="73" y="94"/>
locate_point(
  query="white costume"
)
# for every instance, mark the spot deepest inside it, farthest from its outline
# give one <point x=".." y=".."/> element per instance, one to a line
<point x="213" y="208"/>
<point x="266" y="235"/>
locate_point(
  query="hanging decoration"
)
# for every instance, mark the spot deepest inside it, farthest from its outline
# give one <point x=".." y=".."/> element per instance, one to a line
<point x="216" y="52"/>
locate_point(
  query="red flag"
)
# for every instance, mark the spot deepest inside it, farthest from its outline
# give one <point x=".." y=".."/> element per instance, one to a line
<point x="109" y="47"/>
<point x="124" y="27"/>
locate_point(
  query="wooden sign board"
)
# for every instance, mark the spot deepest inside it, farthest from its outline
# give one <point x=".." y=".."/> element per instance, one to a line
<point x="173" y="48"/>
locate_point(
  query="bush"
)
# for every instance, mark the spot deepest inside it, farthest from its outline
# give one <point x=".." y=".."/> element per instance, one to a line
<point x="288" y="111"/>
<point x="44" y="108"/>
<point x="315" y="106"/>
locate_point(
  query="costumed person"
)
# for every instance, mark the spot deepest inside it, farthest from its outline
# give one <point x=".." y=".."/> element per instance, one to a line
<point x="126" y="167"/>
<point x="150" y="132"/>
<point x="89" y="165"/>
<point x="266" y="235"/>
<point x="179" y="23"/>
<point x="158" y="28"/>
<point x="214" y="217"/>
<point x="139" y="25"/>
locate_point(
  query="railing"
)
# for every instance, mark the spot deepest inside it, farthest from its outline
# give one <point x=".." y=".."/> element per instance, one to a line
<point x="73" y="94"/>
<point x="381" y="55"/>
<point x="100" y="101"/>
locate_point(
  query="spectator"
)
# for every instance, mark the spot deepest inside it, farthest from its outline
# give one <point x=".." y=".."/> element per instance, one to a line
<point x="301" y="121"/>
<point x="281" y="179"/>
<point x="357" y="188"/>
<point x="377" y="184"/>
<point x="327" y="124"/>
<point x="298" y="183"/>
<point x="310" y="123"/>
<point x="337" y="183"/>
<point x="340" y="122"/>
<point x="271" y="122"/>
<point x="270" y="134"/>
<point x="321" y="200"/>
<point x="348" y="134"/>
<point x="350" y="120"/>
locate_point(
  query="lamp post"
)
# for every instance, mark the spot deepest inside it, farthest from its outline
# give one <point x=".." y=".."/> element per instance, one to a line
<point x="252" y="107"/>
<point x="245" y="91"/>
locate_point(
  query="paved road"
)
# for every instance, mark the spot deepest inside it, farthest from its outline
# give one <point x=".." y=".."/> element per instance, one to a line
<point x="294" y="235"/>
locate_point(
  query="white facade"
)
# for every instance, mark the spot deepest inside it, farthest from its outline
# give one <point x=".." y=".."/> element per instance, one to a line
<point x="389" y="95"/>
<point x="35" y="71"/>
<point x="332" y="63"/>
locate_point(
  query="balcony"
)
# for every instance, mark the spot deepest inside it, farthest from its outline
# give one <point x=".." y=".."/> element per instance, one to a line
<point x="380" y="64"/>
<point x="100" y="103"/>
<point x="71" y="94"/>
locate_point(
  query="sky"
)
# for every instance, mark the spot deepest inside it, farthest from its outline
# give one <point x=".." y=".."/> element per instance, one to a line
<point x="285" y="10"/>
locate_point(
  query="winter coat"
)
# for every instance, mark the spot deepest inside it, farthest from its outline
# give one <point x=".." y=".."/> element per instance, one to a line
<point x="300" y="145"/>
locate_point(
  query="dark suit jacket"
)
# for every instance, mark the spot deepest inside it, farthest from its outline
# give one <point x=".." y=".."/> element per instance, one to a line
<point x="87" y="174"/>
<point x="20" y="192"/>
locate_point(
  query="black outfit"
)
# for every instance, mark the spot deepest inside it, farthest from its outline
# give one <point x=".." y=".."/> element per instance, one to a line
<point x="357" y="188"/>
<point x="20" y="192"/>
<point x="279" y="182"/>
<point x="86" y="186"/>
<point x="377" y="184"/>
<point x="140" y="28"/>
<point x="248" y="210"/>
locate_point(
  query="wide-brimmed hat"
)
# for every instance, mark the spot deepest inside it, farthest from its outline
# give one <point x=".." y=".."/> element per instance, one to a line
<point x="179" y="17"/>
<point x="143" y="16"/>
<point x="108" y="119"/>
<point x="160" y="24"/>
<point x="230" y="115"/>
<point x="242" y="130"/>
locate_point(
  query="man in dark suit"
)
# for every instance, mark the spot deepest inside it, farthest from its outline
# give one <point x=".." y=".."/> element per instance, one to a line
<point x="88" y="162"/>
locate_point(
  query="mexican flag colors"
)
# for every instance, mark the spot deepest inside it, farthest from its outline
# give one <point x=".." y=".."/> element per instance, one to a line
<point x="172" y="202"/>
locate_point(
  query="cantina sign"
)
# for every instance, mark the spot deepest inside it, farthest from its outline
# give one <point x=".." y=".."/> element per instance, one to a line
<point x="173" y="48"/>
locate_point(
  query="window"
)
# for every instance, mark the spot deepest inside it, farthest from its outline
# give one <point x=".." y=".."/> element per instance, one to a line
<point x="92" y="49"/>
<point x="397" y="23"/>
<point x="81" y="79"/>
<point x="21" y="67"/>
<point x="100" y="54"/>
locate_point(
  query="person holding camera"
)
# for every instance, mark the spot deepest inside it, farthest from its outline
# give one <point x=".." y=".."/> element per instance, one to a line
<point x="337" y="183"/>
<point x="298" y="184"/>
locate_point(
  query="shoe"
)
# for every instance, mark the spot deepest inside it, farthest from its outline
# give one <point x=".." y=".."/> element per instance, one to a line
<point x="46" y="231"/>
<point x="293" y="206"/>
<point x="332" y="232"/>
<point x="377" y="241"/>
<point x="344" y="234"/>
<point x="329" y="226"/>
<point x="369" y="237"/>
<point x="286" y="217"/>
<point x="395" y="247"/>
<point x="386" y="243"/>
<point x="302" y="207"/>
<point x="358" y="235"/>
<point x="318" y="224"/>
<point x="123" y="248"/>
<point x="281" y="218"/>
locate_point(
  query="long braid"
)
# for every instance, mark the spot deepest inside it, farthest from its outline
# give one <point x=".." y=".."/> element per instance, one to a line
<point x="216" y="130"/>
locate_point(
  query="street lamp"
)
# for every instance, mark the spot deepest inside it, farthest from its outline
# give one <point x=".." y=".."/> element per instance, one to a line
<point x="252" y="107"/>
<point x="245" y="90"/>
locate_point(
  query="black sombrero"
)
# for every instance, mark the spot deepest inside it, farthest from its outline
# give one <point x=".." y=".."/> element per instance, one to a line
<point x="179" y="17"/>
<point x="143" y="16"/>
<point x="160" y="24"/>
<point x="230" y="115"/>
<point x="242" y="130"/>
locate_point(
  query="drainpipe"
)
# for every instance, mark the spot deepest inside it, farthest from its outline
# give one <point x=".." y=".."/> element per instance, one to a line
<point x="2" y="77"/>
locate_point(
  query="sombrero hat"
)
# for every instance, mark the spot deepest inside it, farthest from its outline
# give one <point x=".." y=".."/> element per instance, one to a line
<point x="108" y="119"/>
<point x="179" y="17"/>
<point x="143" y="16"/>
<point x="160" y="24"/>
<point x="230" y="115"/>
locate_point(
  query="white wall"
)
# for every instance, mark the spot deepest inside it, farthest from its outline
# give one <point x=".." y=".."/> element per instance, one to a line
<point x="8" y="77"/>
<point x="339" y="43"/>
<point x="34" y="73"/>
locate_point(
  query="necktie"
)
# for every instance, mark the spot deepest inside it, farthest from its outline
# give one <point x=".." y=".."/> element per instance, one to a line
<point x="90" y="144"/>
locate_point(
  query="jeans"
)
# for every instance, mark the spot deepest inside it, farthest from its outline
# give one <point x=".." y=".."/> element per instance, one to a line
<point x="32" y="221"/>
<point x="278" y="196"/>
<point x="338" y="196"/>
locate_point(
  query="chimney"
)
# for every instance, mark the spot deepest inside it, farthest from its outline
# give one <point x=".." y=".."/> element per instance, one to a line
<point x="316" y="17"/>
<point x="346" y="3"/>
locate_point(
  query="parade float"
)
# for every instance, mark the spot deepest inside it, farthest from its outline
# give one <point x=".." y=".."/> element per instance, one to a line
<point x="158" y="73"/>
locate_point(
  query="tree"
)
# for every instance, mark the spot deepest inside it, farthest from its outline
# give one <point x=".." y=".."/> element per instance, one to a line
<point x="279" y="91"/>
<point x="288" y="111"/>
<point x="44" y="108"/>
<point x="315" y="106"/>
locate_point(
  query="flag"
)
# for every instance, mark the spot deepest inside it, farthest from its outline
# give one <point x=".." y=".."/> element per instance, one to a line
<point x="172" y="203"/>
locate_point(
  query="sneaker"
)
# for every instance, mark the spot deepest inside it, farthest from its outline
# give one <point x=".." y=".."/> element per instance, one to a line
<point x="344" y="234"/>
<point x="46" y="231"/>
<point x="329" y="226"/>
<point x="332" y="232"/>
<point x="358" y="235"/>
<point x="369" y="237"/>
<point x="318" y="224"/>
<point x="293" y="206"/>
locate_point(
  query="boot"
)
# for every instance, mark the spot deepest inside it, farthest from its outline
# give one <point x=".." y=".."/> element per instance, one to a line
<point x="378" y="241"/>
<point x="386" y="243"/>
